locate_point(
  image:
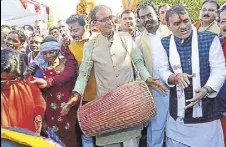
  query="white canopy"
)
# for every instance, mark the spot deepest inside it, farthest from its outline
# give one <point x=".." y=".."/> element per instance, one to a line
<point x="14" y="13"/>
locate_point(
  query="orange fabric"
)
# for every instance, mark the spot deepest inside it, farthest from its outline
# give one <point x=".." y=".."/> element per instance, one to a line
<point x="76" y="49"/>
<point x="197" y="24"/>
<point x="21" y="101"/>
<point x="129" y="4"/>
<point x="223" y="122"/>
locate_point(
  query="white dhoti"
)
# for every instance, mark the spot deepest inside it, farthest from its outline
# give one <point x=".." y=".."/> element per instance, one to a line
<point x="208" y="134"/>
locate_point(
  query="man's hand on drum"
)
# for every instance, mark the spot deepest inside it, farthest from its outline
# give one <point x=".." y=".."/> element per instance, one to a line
<point x="153" y="82"/>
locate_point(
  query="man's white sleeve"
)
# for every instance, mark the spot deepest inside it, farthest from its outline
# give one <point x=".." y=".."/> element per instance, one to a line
<point x="217" y="67"/>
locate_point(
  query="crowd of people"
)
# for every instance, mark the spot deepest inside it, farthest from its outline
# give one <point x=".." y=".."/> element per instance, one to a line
<point x="45" y="72"/>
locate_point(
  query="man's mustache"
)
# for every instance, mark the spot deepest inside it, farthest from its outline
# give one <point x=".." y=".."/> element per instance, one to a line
<point x="184" y="29"/>
<point x="149" y="22"/>
<point x="75" y="37"/>
<point x="206" y="15"/>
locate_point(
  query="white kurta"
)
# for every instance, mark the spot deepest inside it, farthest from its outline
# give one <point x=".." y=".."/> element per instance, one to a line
<point x="203" y="134"/>
<point x="161" y="99"/>
<point x="208" y="134"/>
<point x="157" y="124"/>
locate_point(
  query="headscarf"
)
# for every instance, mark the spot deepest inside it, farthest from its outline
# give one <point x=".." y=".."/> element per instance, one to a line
<point x="47" y="46"/>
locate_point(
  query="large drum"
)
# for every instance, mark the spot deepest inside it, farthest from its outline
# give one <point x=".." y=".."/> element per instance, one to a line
<point x="123" y="107"/>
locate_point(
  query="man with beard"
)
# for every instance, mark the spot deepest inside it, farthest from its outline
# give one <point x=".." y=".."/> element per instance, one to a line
<point x="193" y="65"/>
<point x="113" y="68"/>
<point x="222" y="92"/>
<point x="208" y="15"/>
<point x="128" y="22"/>
<point x="149" y="42"/>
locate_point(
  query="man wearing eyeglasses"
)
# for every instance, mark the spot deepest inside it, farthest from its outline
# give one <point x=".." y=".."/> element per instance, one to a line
<point x="208" y="15"/>
<point x="113" y="68"/>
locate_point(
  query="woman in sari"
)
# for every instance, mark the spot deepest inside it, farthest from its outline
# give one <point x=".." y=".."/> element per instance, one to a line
<point x="52" y="64"/>
<point x="22" y="104"/>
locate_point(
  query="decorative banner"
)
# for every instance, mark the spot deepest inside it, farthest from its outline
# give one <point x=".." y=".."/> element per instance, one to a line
<point x="42" y="10"/>
<point x="31" y="7"/>
<point x="129" y="4"/>
<point x="47" y="10"/>
<point x="23" y="2"/>
<point x="36" y="6"/>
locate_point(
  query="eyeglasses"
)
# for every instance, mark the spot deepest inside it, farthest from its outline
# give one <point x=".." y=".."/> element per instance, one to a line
<point x="106" y="19"/>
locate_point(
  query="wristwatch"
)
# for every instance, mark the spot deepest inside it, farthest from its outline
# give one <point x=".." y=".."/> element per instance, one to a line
<point x="208" y="91"/>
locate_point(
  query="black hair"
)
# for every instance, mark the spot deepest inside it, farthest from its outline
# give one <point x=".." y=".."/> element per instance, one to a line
<point x="80" y="18"/>
<point x="41" y="20"/>
<point x="137" y="10"/>
<point x="145" y="5"/>
<point x="6" y="26"/>
<point x="49" y="39"/>
<point x="223" y="8"/>
<point x="29" y="27"/>
<point x="12" y="61"/>
<point x="126" y="12"/>
<point x="20" y="34"/>
<point x="211" y="1"/>
<point x="95" y="10"/>
<point x="16" y="28"/>
<point x="178" y="9"/>
<point x="52" y="28"/>
<point x="59" y="21"/>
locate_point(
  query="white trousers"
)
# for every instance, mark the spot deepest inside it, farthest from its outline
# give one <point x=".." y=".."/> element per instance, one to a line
<point x="130" y="143"/>
<point x="173" y="143"/>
